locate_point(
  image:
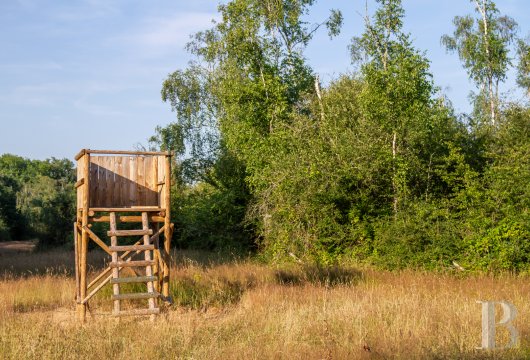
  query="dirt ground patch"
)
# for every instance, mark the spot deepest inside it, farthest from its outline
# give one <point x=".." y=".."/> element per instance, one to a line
<point x="17" y="246"/>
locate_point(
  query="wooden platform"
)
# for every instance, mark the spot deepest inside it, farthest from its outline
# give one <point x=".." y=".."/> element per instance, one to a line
<point x="117" y="187"/>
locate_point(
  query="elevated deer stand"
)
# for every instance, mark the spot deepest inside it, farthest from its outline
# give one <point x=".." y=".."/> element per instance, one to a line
<point x="124" y="187"/>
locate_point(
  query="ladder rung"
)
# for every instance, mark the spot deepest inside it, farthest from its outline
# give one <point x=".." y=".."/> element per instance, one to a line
<point x="146" y="295"/>
<point x="133" y="279"/>
<point x="132" y="263"/>
<point x="131" y="248"/>
<point x="130" y="232"/>
<point x="138" y="312"/>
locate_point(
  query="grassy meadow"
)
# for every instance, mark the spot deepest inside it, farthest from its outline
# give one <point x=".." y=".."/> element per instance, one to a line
<point x="228" y="308"/>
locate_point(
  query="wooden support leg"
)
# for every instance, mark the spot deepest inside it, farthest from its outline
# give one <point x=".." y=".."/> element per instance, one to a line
<point x="167" y="246"/>
<point x="148" y="268"/>
<point x="167" y="224"/>
<point x="115" y="270"/>
<point x="165" y="278"/>
<point x="81" y="308"/>
<point x="76" y="264"/>
<point x="156" y="258"/>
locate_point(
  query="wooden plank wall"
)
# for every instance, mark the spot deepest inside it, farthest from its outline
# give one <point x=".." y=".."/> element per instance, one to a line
<point x="80" y="189"/>
<point x="161" y="178"/>
<point x="125" y="181"/>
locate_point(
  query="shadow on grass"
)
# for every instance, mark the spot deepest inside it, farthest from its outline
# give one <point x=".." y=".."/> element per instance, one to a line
<point x="206" y="259"/>
<point x="201" y="295"/>
<point x="60" y="261"/>
<point x="21" y="307"/>
<point x="328" y="276"/>
<point x="47" y="262"/>
<point x="221" y="286"/>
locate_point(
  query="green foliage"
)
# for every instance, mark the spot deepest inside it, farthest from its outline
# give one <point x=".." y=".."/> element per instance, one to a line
<point x="4" y="231"/>
<point x="50" y="207"/>
<point x="483" y="46"/>
<point x="11" y="224"/>
<point x="423" y="237"/>
<point x="505" y="246"/>
<point x="374" y="166"/>
<point x="247" y="83"/>
<point x="484" y="51"/>
<point x="212" y="219"/>
<point x="37" y="199"/>
<point x="523" y="66"/>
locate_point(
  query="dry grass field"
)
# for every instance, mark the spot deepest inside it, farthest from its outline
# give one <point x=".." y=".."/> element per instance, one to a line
<point x="241" y="309"/>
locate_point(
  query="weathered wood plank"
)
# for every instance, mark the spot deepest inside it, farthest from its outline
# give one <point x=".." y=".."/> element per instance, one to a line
<point x="126" y="152"/>
<point x="97" y="240"/>
<point x="161" y="180"/>
<point x="140" y="180"/>
<point x="115" y="271"/>
<point x="147" y="295"/>
<point x="167" y="226"/>
<point x="148" y="268"/>
<point x="109" y="166"/>
<point x="132" y="248"/>
<point x="81" y="308"/>
<point x="131" y="263"/>
<point x="76" y="262"/>
<point x="129" y="232"/>
<point x="133" y="178"/>
<point x="81" y="189"/>
<point x="128" y="219"/>
<point x="80" y="154"/>
<point x="96" y="289"/>
<point x="118" y="180"/>
<point x="150" y="192"/>
<point x="138" y="312"/>
<point x="79" y="183"/>
<point x="102" y="183"/>
<point x="125" y="187"/>
<point x="94" y="181"/>
<point x="128" y="209"/>
<point x="133" y="279"/>
<point x="126" y="256"/>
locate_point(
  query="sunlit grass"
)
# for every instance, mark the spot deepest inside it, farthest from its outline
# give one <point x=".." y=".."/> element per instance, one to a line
<point x="241" y="309"/>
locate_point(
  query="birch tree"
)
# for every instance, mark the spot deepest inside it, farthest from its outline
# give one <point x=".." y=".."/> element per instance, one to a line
<point x="523" y="66"/>
<point x="398" y="93"/>
<point x="482" y="43"/>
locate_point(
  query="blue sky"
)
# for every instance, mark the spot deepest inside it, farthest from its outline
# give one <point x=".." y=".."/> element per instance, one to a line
<point x="88" y="73"/>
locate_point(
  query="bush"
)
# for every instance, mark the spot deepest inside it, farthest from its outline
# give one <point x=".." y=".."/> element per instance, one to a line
<point x="505" y="246"/>
<point x="423" y="236"/>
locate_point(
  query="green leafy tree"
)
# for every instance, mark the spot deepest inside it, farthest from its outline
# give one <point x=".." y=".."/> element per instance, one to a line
<point x="399" y="98"/>
<point x="37" y="198"/>
<point x="248" y="81"/>
<point x="248" y="78"/>
<point x="523" y="66"/>
<point x="10" y="219"/>
<point x="49" y="206"/>
<point x="483" y="46"/>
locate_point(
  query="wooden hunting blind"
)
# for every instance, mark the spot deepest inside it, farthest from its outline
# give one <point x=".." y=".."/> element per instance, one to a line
<point x="120" y="187"/>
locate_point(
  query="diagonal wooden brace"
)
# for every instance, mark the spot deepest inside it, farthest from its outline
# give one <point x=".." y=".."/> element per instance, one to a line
<point x="127" y="256"/>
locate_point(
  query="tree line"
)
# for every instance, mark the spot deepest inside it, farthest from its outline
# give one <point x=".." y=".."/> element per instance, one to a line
<point x="37" y="199"/>
<point x="375" y="167"/>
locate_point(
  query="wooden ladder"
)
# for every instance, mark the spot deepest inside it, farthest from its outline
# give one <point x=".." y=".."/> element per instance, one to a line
<point x="151" y="295"/>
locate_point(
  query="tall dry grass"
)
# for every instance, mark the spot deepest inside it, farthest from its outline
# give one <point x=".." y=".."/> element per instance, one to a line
<point x="240" y="309"/>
